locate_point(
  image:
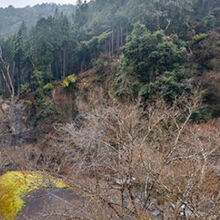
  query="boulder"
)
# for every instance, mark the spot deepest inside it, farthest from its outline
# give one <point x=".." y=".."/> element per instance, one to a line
<point x="35" y="195"/>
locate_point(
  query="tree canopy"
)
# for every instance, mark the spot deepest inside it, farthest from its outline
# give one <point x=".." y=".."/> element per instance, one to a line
<point x="162" y="45"/>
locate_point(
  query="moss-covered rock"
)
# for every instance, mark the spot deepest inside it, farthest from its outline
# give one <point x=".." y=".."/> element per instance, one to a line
<point x="14" y="186"/>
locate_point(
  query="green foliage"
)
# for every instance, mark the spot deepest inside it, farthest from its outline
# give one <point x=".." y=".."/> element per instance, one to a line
<point x="99" y="64"/>
<point x="97" y="41"/>
<point x="25" y="88"/>
<point x="215" y="110"/>
<point x="37" y="79"/>
<point x="48" y="87"/>
<point x="174" y="84"/>
<point x="153" y="39"/>
<point x="155" y="60"/>
<point x="201" y="115"/>
<point x="47" y="109"/>
<point x="72" y="78"/>
<point x="11" y="18"/>
<point x="65" y="83"/>
<point x="68" y="81"/>
<point x="198" y="38"/>
<point x="40" y="95"/>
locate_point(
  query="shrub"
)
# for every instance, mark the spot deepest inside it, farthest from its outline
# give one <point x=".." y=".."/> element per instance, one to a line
<point x="25" y="88"/>
<point x="69" y="80"/>
<point x="48" y="87"/>
<point x="72" y="78"/>
<point x="65" y="83"/>
<point x="37" y="79"/>
<point x="201" y="115"/>
<point x="148" y="57"/>
<point x="216" y="110"/>
<point x="198" y="38"/>
<point x="99" y="64"/>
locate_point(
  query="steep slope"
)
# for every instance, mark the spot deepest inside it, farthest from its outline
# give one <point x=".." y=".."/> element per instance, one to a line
<point x="137" y="160"/>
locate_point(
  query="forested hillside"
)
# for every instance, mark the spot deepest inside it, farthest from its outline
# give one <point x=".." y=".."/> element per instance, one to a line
<point x="165" y="46"/>
<point x="120" y="99"/>
<point x="11" y="18"/>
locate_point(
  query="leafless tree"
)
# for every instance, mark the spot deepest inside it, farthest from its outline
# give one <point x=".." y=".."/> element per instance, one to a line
<point x="150" y="162"/>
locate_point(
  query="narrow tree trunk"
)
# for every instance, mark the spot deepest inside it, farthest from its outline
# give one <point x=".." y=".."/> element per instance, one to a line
<point x="118" y="40"/>
<point x="6" y="88"/>
<point x="112" y="43"/>
<point x="10" y="81"/>
<point x="6" y="75"/>
<point x="109" y="49"/>
<point x="121" y="34"/>
<point x="64" y="62"/>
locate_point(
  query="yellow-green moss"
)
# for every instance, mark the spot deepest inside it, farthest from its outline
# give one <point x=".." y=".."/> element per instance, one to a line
<point x="72" y="78"/>
<point x="48" y="87"/>
<point x="69" y="80"/>
<point x="198" y="38"/>
<point x="15" y="185"/>
<point x="65" y="83"/>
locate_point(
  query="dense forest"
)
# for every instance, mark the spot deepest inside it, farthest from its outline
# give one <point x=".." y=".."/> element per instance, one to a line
<point x="166" y="47"/>
<point x="11" y="18"/>
<point x="121" y="98"/>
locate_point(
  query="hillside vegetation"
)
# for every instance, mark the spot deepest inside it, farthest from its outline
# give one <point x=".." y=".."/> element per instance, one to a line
<point x="166" y="47"/>
<point x="122" y="101"/>
<point x="11" y="18"/>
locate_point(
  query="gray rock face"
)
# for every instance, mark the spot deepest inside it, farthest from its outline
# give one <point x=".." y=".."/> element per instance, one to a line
<point x="53" y="204"/>
<point x="13" y="128"/>
<point x="17" y="124"/>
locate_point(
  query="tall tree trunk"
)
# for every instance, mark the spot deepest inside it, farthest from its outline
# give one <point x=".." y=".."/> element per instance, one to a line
<point x="64" y="62"/>
<point x="112" y="43"/>
<point x="109" y="49"/>
<point x="121" y="28"/>
<point x="118" y="40"/>
<point x="10" y="80"/>
<point x="6" y="75"/>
